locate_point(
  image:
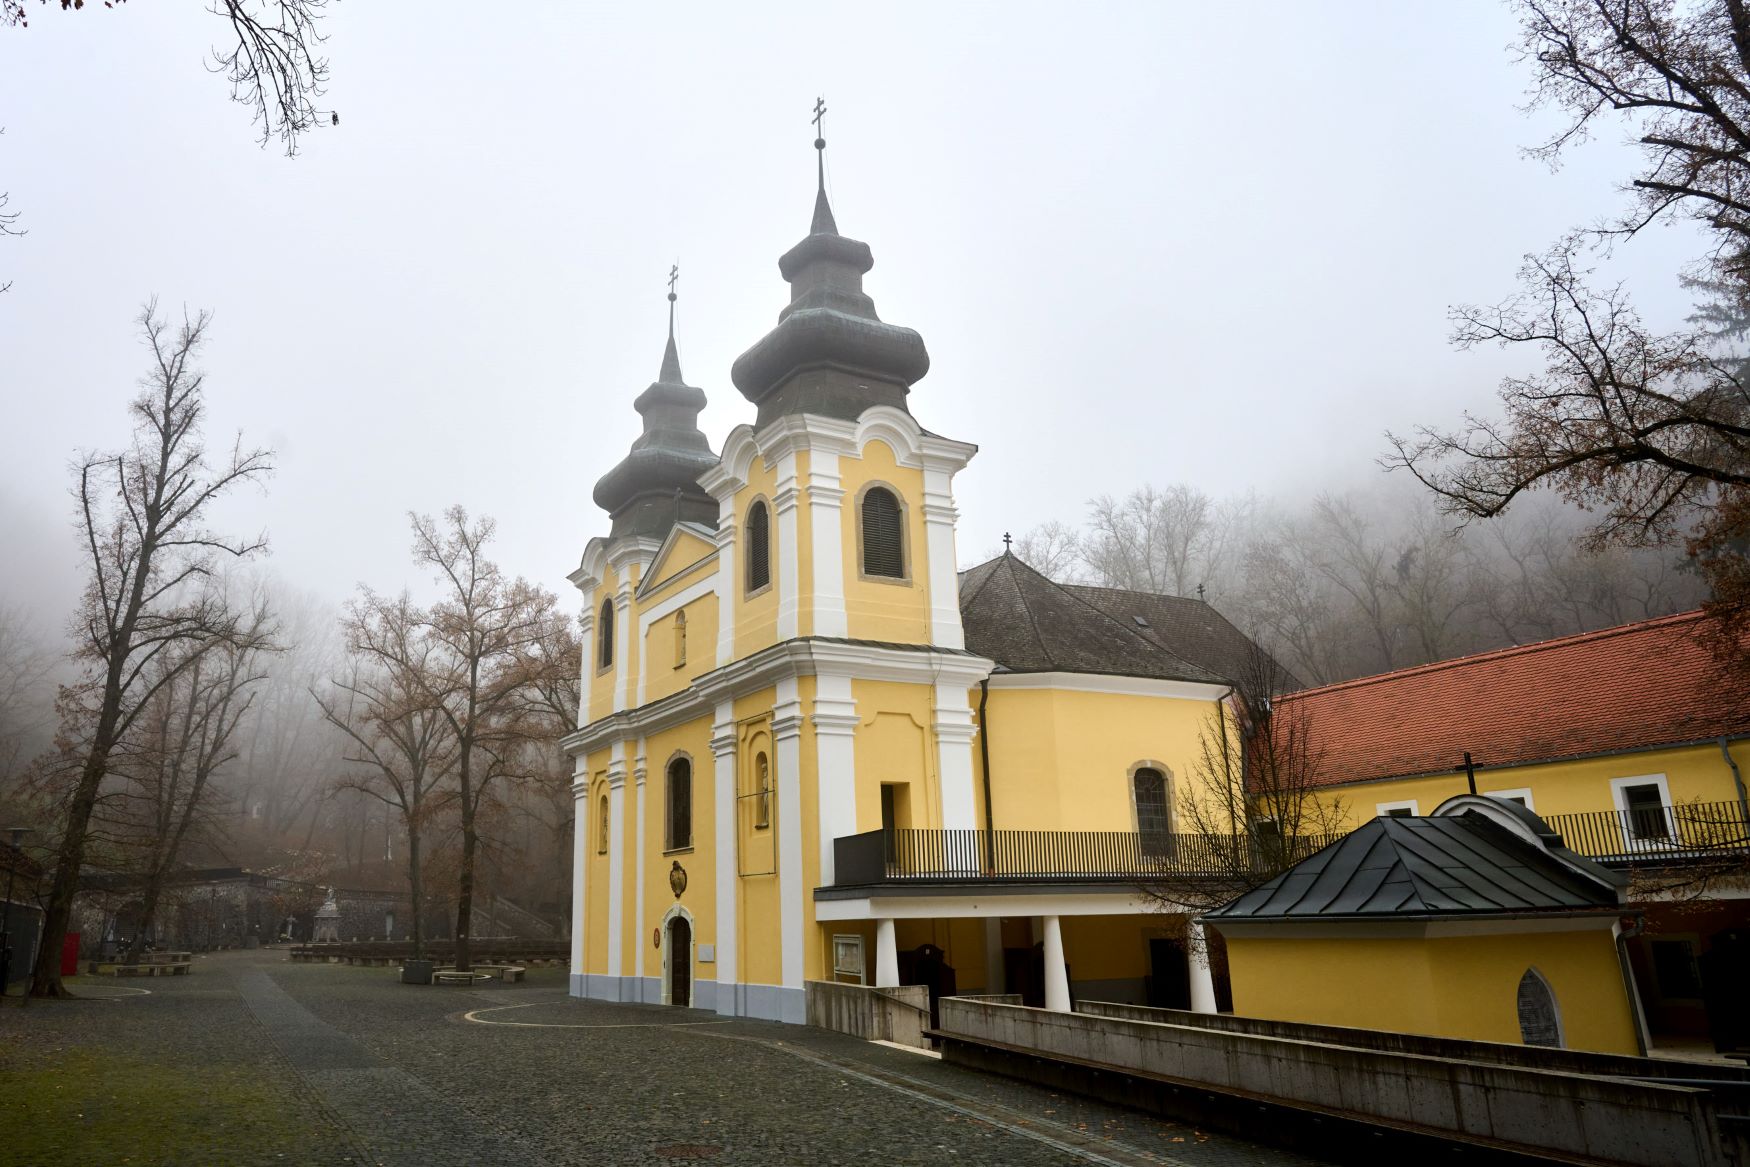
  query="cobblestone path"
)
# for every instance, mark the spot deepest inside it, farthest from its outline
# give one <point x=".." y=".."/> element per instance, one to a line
<point x="325" y="1064"/>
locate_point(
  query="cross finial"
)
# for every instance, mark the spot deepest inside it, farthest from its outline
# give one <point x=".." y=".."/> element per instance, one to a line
<point x="1006" y="542"/>
<point x="820" y="139"/>
<point x="674" y="275"/>
<point x="1200" y="591"/>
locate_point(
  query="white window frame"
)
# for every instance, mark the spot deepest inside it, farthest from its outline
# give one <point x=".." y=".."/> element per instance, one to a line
<point x="1522" y="792"/>
<point x="1382" y="809"/>
<point x="1619" y="799"/>
<point x="839" y="971"/>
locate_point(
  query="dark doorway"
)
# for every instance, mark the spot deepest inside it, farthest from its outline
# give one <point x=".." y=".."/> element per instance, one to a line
<point x="1024" y="973"/>
<point x="924" y="965"/>
<point x="1169" y="979"/>
<point x="680" y="962"/>
<point x="1725" y="970"/>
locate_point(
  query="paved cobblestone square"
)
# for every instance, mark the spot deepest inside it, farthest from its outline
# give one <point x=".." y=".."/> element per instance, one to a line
<point x="254" y="1060"/>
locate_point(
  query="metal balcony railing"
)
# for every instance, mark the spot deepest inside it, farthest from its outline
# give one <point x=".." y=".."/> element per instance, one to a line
<point x="936" y="856"/>
<point x="1656" y="834"/>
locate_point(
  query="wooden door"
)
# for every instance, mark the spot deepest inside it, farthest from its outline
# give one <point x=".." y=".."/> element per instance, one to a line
<point x="680" y="962"/>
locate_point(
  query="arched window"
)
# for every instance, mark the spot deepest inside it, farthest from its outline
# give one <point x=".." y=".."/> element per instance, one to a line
<point x="680" y="638"/>
<point x="762" y="791"/>
<point x="601" y="826"/>
<point x="680" y="804"/>
<point x="883" y="534"/>
<point x="1540" y="1022"/>
<point x="759" y="546"/>
<point x="605" y="657"/>
<point x="1149" y="788"/>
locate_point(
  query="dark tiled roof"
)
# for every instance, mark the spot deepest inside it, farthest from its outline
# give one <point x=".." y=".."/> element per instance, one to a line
<point x="1633" y="687"/>
<point x="1458" y="865"/>
<point x="1190" y="628"/>
<point x="1028" y="624"/>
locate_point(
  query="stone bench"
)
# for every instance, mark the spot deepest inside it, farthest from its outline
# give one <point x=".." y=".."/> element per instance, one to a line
<point x="450" y="976"/>
<point x="160" y="968"/>
<point x="510" y="974"/>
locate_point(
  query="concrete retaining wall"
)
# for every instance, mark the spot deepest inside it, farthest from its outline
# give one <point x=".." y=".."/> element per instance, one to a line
<point x="1496" y="1053"/>
<point x="1505" y="1109"/>
<point x="898" y="1015"/>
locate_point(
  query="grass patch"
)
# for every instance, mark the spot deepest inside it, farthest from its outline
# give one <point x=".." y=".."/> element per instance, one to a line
<point x="76" y="1105"/>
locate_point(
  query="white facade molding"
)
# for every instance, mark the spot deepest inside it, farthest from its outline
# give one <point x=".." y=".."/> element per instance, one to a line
<point x="622" y="647"/>
<point x="787" y="746"/>
<point x="664" y="608"/>
<point x="827" y="534"/>
<point x="670" y="956"/>
<point x="650" y="584"/>
<point x="731" y="582"/>
<point x="640" y="771"/>
<point x="954" y="730"/>
<point x="835" y="723"/>
<point x="941" y="574"/>
<point x="579" y="867"/>
<point x="616" y="871"/>
<point x="1120" y="901"/>
<point x="727" y="819"/>
<point x="1106" y="683"/>
<point x="786" y="502"/>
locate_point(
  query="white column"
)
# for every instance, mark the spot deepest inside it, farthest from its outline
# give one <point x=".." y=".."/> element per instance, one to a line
<point x="616" y="862"/>
<point x="993" y="954"/>
<point x="825" y="519"/>
<point x="786" y="501"/>
<point x="886" y="956"/>
<point x="622" y="639"/>
<point x="787" y="744"/>
<point x="1197" y="955"/>
<point x="580" y="825"/>
<point x="730" y="593"/>
<point x="639" y="772"/>
<point x="586" y="636"/>
<point x="726" y="812"/>
<point x="954" y="733"/>
<point x="1056" y="973"/>
<point x="835" y="728"/>
<point x="943" y="575"/>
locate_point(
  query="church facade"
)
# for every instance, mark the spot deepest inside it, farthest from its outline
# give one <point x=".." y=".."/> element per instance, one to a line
<point x="811" y="749"/>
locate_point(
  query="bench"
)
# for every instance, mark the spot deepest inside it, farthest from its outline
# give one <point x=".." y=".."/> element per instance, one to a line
<point x="450" y="976"/>
<point x="158" y="968"/>
<point x="510" y="974"/>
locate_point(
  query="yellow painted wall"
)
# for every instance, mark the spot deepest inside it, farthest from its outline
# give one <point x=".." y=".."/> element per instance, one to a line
<point x="1061" y="760"/>
<point x="1463" y="987"/>
<point x="665" y="676"/>
<point x="687" y="550"/>
<point x="756" y="619"/>
<point x="894" y="744"/>
<point x="882" y="609"/>
<point x="1693" y="774"/>
<point x="601" y="680"/>
<point x="1104" y="948"/>
<point x="692" y="740"/>
<point x="595" y="954"/>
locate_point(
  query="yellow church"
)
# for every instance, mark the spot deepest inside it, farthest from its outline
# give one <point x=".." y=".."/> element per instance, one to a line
<point x="810" y="749"/>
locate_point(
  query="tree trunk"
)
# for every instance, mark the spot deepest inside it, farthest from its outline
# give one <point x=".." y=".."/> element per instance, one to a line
<point x="417" y="891"/>
<point x="465" y="894"/>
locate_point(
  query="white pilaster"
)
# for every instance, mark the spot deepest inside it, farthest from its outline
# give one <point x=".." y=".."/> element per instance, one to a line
<point x="579" y="871"/>
<point x="730" y="594"/>
<point x="835" y="727"/>
<point x="955" y="729"/>
<point x="826" y="519"/>
<point x="616" y="860"/>
<point x="725" y="812"/>
<point x="586" y="636"/>
<point x="1056" y="973"/>
<point x="1197" y="956"/>
<point x="786" y="501"/>
<point x="943" y="574"/>
<point x="787" y="745"/>
<point x="622" y="640"/>
<point x="640" y="771"/>
<point x="886" y="956"/>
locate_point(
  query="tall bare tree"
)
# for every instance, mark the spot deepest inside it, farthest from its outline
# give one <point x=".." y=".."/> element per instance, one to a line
<point x="400" y="747"/>
<point x="142" y="516"/>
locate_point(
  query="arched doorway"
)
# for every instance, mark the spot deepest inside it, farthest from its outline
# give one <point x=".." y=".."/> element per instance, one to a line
<point x="677" y="964"/>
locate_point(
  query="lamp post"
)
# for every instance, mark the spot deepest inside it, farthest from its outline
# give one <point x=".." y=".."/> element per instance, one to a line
<point x="17" y="834"/>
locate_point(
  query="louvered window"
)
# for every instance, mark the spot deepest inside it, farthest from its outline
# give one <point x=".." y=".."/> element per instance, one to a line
<point x="1151" y="810"/>
<point x="680" y="804"/>
<point x="759" y="547"/>
<point x="883" y="535"/>
<point x="606" y="656"/>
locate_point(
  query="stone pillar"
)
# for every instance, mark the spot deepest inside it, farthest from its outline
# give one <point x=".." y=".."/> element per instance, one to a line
<point x="580" y="833"/>
<point x="787" y="744"/>
<point x="886" y="956"/>
<point x="942" y="578"/>
<point x="835" y="728"/>
<point x="1197" y="954"/>
<point x="1056" y="972"/>
<point x="726" y="810"/>
<point x="640" y="771"/>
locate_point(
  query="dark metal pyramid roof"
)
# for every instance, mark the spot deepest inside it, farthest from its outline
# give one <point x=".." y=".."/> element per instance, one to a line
<point x="1438" y="866"/>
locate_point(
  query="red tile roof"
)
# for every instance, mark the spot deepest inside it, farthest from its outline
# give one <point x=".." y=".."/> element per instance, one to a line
<point x="1631" y="687"/>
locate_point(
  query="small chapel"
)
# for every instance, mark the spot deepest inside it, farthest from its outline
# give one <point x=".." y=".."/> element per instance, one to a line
<point x="811" y="748"/>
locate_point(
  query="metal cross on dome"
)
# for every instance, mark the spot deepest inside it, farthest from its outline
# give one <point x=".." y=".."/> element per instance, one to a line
<point x="819" y="120"/>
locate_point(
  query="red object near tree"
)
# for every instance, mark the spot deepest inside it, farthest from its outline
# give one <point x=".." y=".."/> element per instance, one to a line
<point x="70" y="955"/>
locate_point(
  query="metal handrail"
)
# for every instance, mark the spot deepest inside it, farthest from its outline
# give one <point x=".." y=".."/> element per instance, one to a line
<point x="1690" y="830"/>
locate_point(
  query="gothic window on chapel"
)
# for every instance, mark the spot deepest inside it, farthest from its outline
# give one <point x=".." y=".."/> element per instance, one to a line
<point x="680" y="804"/>
<point x="1149" y="787"/>
<point x="605" y="657"/>
<point x="883" y="534"/>
<point x="759" y="547"/>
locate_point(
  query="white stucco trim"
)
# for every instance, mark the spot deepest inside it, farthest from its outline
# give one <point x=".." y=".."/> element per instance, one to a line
<point x="787" y="746"/>
<point x="835" y="726"/>
<point x="668" y="954"/>
<point x="586" y="666"/>
<point x="651" y="583"/>
<point x="954" y="730"/>
<point x="726" y="819"/>
<point x="1104" y="683"/>
<point x="1382" y="809"/>
<point x="786" y="501"/>
<point x="616" y="859"/>
<point x="1619" y="787"/>
<point x="1523" y="793"/>
<point x="662" y="610"/>
<point x="622" y="647"/>
<point x="640" y="771"/>
<point x="726" y="604"/>
<point x="579" y="864"/>
<point x="1120" y="901"/>
<point x="826" y="522"/>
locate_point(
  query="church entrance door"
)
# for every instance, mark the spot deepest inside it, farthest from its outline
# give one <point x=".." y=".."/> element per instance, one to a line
<point x="680" y="962"/>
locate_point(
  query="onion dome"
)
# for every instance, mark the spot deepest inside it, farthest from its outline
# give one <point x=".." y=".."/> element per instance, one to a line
<point x="830" y="353"/>
<point x="657" y="483"/>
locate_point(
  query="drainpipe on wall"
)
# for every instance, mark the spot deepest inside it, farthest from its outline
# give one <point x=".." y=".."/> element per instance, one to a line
<point x="1737" y="780"/>
<point x="984" y="757"/>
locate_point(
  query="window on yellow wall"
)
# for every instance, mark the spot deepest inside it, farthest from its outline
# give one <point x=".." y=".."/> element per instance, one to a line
<point x="680" y="804"/>
<point x="601" y="826"/>
<point x="883" y="534"/>
<point x="759" y="547"/>
<point x="680" y="638"/>
<point x="1149" y="787"/>
<point x="762" y="789"/>
<point x="606" y="656"/>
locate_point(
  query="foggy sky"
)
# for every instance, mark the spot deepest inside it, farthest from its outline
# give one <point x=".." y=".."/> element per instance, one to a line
<point x="1144" y="243"/>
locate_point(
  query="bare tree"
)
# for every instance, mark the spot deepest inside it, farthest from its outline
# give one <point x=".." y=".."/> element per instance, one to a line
<point x="1053" y="549"/>
<point x="399" y="744"/>
<point x="142" y="516"/>
<point x="26" y="689"/>
<point x="272" y="59"/>
<point x="1253" y="806"/>
<point x="1169" y="541"/>
<point x="488" y="633"/>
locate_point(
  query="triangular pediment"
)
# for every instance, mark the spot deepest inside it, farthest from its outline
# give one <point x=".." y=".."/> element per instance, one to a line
<point x="687" y="546"/>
